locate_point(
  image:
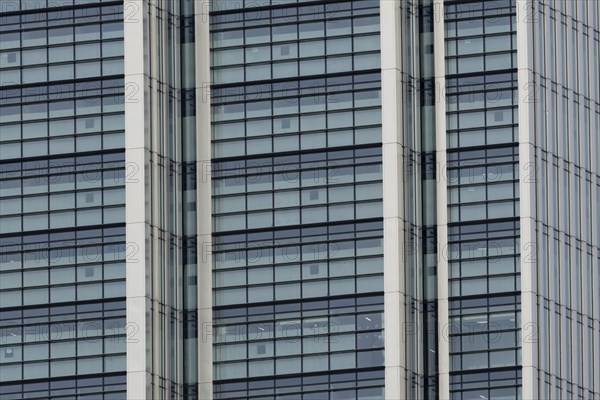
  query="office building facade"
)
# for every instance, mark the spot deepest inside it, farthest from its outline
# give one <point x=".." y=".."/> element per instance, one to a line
<point x="62" y="200"/>
<point x="285" y="199"/>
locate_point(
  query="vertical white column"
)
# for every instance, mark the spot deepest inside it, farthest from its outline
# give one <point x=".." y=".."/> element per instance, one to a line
<point x="204" y="202"/>
<point x="442" y="199"/>
<point x="393" y="195"/>
<point x="528" y="176"/>
<point x="137" y="284"/>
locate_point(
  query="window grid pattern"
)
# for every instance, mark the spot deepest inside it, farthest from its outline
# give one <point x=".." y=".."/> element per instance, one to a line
<point x="285" y="339"/>
<point x="62" y="341"/>
<point x="62" y="200"/>
<point x="297" y="189"/>
<point x="329" y="112"/>
<point x="312" y="262"/>
<point x="565" y="43"/>
<point x="289" y="42"/>
<point x="490" y="325"/>
<point x="483" y="193"/>
<point x="62" y="45"/>
<point x="62" y="192"/>
<point x="312" y="188"/>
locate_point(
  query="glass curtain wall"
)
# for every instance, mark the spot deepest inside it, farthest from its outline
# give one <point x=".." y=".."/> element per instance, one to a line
<point x="483" y="199"/>
<point x="62" y="200"/>
<point x="297" y="200"/>
<point x="566" y="111"/>
<point x="171" y="211"/>
<point x="418" y="102"/>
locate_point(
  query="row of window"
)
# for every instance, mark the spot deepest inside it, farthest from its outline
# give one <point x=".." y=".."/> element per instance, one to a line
<point x="310" y="253"/>
<point x="59" y="94"/>
<point x="104" y="123"/>
<point x="249" y="255"/>
<point x="109" y="387"/>
<point x="63" y="71"/>
<point x="27" y="112"/>
<point x="478" y="156"/>
<point x="60" y="146"/>
<point x="504" y="42"/>
<point x="492" y="248"/>
<point x="489" y="62"/>
<point x="36" y="255"/>
<point x="484" y="360"/>
<point x="35" y="180"/>
<point x="333" y="158"/>
<point x="91" y="163"/>
<point x="58" y="275"/>
<point x="294" y="365"/>
<point x="291" y="238"/>
<point x="305" y="289"/>
<point x="312" y="109"/>
<point x="470" y="9"/>
<point x="475" y="260"/>
<point x="302" y="68"/>
<point x="481" y="82"/>
<point x="295" y="31"/>
<point x="470" y="379"/>
<point x="64" y="349"/>
<point x="306" y="308"/>
<point x="59" y="337"/>
<point x="482" y="119"/>
<point x="320" y="88"/>
<point x="79" y="199"/>
<point x="307" y="336"/>
<point x="314" y="178"/>
<point x="292" y="124"/>
<point x="477" y="212"/>
<point x="482" y="137"/>
<point x="482" y="193"/>
<point x="105" y="10"/>
<point x="55" y="54"/>
<point x="480" y="100"/>
<point x="284" y="11"/>
<point x="299" y="198"/>
<point x="512" y="391"/>
<point x="93" y="179"/>
<point x="62" y="293"/>
<point x="295" y="216"/>
<point x="55" y="368"/>
<point x="17" y="321"/>
<point x="481" y="175"/>
<point x="486" y="285"/>
<point x="285" y="271"/>
<point x="485" y="341"/>
<point x="343" y="386"/>
<point x="58" y="239"/>
<point x="480" y="26"/>
<point x="44" y="37"/>
<point x="291" y="345"/>
<point x="297" y="141"/>
<point x="295" y="50"/>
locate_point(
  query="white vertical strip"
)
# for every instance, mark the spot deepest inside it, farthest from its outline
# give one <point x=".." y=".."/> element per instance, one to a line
<point x="528" y="177"/>
<point x="393" y="195"/>
<point x="442" y="199"/>
<point x="204" y="202"/>
<point x="137" y="284"/>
